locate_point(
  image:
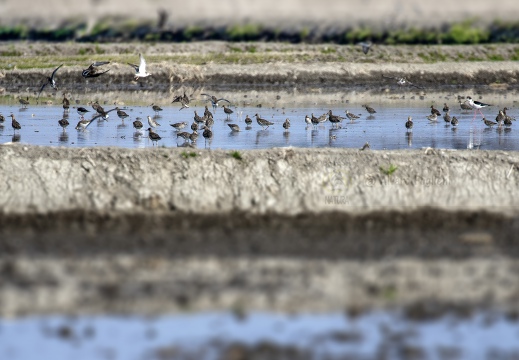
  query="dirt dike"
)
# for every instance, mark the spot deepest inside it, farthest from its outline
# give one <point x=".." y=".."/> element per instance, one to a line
<point x="286" y="181"/>
<point x="103" y="230"/>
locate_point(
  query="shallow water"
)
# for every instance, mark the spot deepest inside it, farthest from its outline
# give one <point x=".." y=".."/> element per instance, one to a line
<point x="375" y="335"/>
<point x="384" y="130"/>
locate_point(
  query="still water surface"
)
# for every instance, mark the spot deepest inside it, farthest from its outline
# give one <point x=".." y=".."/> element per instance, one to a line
<point x="384" y="130"/>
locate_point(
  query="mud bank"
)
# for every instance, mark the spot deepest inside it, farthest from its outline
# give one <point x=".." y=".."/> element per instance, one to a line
<point x="288" y="181"/>
<point x="218" y="76"/>
<point x="99" y="230"/>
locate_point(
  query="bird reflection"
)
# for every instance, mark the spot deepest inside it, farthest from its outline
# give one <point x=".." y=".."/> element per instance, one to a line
<point x="409" y="137"/>
<point x="16" y="138"/>
<point x="63" y="137"/>
<point x="286" y="135"/>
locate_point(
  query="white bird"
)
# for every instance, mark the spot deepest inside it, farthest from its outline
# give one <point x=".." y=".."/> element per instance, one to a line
<point x="152" y="122"/>
<point x="140" y="71"/>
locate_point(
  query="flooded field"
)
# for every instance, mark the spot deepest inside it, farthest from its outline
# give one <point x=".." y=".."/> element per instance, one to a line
<point x="383" y="130"/>
<point x="388" y="335"/>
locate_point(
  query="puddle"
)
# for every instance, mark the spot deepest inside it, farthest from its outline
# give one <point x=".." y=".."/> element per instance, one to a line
<point x="374" y="335"/>
<point x="385" y="130"/>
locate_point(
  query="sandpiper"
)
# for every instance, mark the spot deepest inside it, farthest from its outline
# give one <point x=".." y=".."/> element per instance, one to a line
<point x="82" y="111"/>
<point x="121" y="114"/>
<point x="65" y="102"/>
<point x="15" y="124"/>
<point x="92" y="70"/>
<point x="24" y="102"/>
<point x="137" y="124"/>
<point x="179" y="125"/>
<point x="314" y="120"/>
<point x="286" y="124"/>
<point x="154" y="137"/>
<point x="323" y="118"/>
<point x="507" y="121"/>
<point x="351" y="116"/>
<point x="506" y="115"/>
<point x="140" y="71"/>
<point x="199" y="119"/>
<point x="194" y="126"/>
<point x="214" y="100"/>
<point x="184" y="135"/>
<point x="98" y="108"/>
<point x="432" y="117"/>
<point x="207" y="134"/>
<point x="248" y="120"/>
<point x="63" y="123"/>
<point x="454" y="121"/>
<point x="477" y="105"/>
<point x="193" y="136"/>
<point x="445" y="107"/>
<point x="489" y="123"/>
<point x="435" y="111"/>
<point x="152" y="122"/>
<point x="2" y="118"/>
<point x="369" y="109"/>
<point x="447" y="117"/>
<point x="227" y="111"/>
<point x="83" y="124"/>
<point x="156" y="108"/>
<point x="263" y="122"/>
<point x="50" y="81"/>
<point x="334" y="119"/>
<point x="409" y="123"/>
<point x="500" y="118"/>
<point x="209" y="122"/>
<point x="207" y="113"/>
<point x="464" y="105"/>
<point x="308" y="120"/>
<point x="234" y="127"/>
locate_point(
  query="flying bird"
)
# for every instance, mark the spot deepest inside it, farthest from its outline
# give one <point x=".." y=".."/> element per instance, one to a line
<point x="214" y="100"/>
<point x="366" y="46"/>
<point x="50" y="81"/>
<point x="93" y="71"/>
<point x="402" y="81"/>
<point x="140" y="70"/>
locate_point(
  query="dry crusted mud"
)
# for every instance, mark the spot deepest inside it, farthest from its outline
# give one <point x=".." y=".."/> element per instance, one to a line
<point x="150" y="231"/>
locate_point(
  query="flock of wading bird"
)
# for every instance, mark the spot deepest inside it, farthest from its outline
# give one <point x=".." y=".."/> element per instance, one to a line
<point x="206" y="121"/>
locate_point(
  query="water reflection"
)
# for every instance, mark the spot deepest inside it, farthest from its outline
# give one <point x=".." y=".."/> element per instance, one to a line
<point x="409" y="136"/>
<point x="16" y="137"/>
<point x="63" y="137"/>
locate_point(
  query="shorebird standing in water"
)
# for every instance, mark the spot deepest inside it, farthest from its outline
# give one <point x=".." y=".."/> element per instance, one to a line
<point x="476" y="105"/>
<point x="432" y="117"/>
<point x="351" y="116"/>
<point x="409" y="124"/>
<point x="183" y="100"/>
<point x="234" y="127"/>
<point x="83" y="124"/>
<point x="154" y="137"/>
<point x="15" y="124"/>
<point x="369" y="109"/>
<point x="2" y="118"/>
<point x="286" y="124"/>
<point x="227" y="111"/>
<point x="447" y="118"/>
<point x="263" y="122"/>
<point x="435" y="111"/>
<point x="179" y="126"/>
<point x="63" y="123"/>
<point x="214" y="100"/>
<point x="454" y="121"/>
<point x="24" y="102"/>
<point x="156" y="108"/>
<point x="152" y="122"/>
<point x="121" y="114"/>
<point x="140" y="70"/>
<point x="82" y="111"/>
<point x="445" y="107"/>
<point x="50" y="81"/>
<point x="93" y="71"/>
<point x="334" y="119"/>
<point x="489" y="123"/>
<point x="137" y="124"/>
<point x="248" y="120"/>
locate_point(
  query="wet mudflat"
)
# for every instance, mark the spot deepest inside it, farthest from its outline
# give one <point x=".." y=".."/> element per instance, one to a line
<point x="383" y="130"/>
